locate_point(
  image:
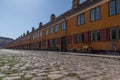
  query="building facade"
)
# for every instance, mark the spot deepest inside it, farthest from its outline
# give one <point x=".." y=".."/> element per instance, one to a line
<point x="91" y="25"/>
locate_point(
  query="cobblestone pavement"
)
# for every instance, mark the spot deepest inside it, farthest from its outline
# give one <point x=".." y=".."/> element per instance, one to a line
<point x="46" y="65"/>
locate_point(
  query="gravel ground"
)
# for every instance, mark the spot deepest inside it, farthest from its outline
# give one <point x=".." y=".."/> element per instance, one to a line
<point x="46" y="65"/>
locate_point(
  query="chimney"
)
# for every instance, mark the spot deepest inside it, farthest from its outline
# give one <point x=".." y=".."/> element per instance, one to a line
<point x="52" y="17"/>
<point x="40" y="24"/>
<point x="75" y="3"/>
<point x="23" y="34"/>
<point x="33" y="29"/>
<point x="27" y="32"/>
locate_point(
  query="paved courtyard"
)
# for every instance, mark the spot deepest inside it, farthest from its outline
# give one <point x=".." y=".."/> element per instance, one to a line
<point x="44" y="65"/>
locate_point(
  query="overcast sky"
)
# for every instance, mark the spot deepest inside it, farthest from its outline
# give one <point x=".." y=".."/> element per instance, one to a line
<point x="18" y="16"/>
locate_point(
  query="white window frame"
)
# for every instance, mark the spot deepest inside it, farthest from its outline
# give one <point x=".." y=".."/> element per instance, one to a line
<point x="51" y="30"/>
<point x="47" y="32"/>
<point x="95" y="33"/>
<point x="94" y="15"/>
<point x="64" y="25"/>
<point x="56" y="28"/>
<point x="81" y="19"/>
<point x="80" y="39"/>
<point x="40" y="34"/>
<point x="117" y="33"/>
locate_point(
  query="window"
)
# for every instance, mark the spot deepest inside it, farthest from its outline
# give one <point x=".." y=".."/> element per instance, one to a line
<point x="81" y="19"/>
<point x="92" y="15"/>
<point x="80" y="38"/>
<point x="114" y="7"/>
<point x="56" y="41"/>
<point x="33" y="36"/>
<point x="40" y="34"/>
<point x="114" y="33"/>
<point x="56" y="28"/>
<point x="118" y="6"/>
<point x="51" y="42"/>
<point x="64" y="25"/>
<point x="46" y="31"/>
<point x="51" y="30"/>
<point x="95" y="36"/>
<point x="95" y="14"/>
<point x="37" y="34"/>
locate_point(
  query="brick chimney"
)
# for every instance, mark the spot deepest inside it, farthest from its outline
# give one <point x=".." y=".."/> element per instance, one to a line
<point x="23" y="34"/>
<point x="52" y="17"/>
<point x="40" y="24"/>
<point x="33" y="29"/>
<point x="27" y="32"/>
<point x="75" y="3"/>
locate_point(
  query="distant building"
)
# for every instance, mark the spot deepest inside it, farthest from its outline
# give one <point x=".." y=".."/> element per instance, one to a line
<point x="91" y="25"/>
<point x="4" y="41"/>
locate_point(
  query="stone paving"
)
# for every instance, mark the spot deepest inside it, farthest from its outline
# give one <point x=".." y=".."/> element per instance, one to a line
<point x="46" y="65"/>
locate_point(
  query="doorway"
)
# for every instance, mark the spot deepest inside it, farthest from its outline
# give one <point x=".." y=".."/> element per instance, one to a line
<point x="63" y="44"/>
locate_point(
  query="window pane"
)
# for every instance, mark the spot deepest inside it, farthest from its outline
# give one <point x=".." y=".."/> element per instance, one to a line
<point x="82" y="19"/>
<point x="92" y="15"/>
<point x="118" y="6"/>
<point x="56" y="28"/>
<point x="98" y="13"/>
<point x="79" y="20"/>
<point x="51" y="30"/>
<point x="82" y="38"/>
<point x="64" y="25"/>
<point x="98" y="36"/>
<point x="47" y="32"/>
<point x="113" y="34"/>
<point x="40" y="34"/>
<point x="93" y="36"/>
<point x="112" y="8"/>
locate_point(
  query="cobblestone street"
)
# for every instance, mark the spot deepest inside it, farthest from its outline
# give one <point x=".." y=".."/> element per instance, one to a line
<point x="46" y="65"/>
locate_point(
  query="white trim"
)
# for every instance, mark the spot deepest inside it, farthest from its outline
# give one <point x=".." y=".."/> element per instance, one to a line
<point x="83" y="11"/>
<point x="111" y="33"/>
<point x="95" y="33"/>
